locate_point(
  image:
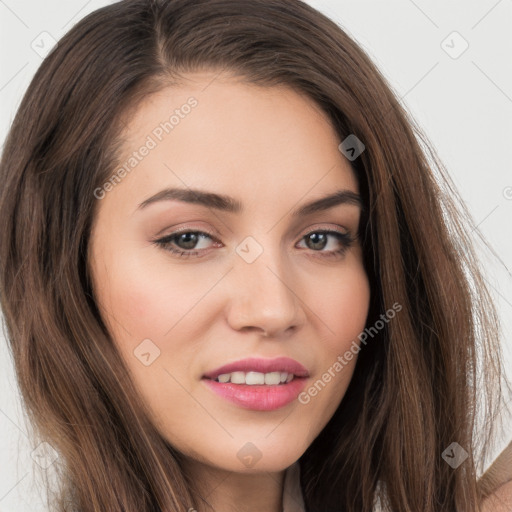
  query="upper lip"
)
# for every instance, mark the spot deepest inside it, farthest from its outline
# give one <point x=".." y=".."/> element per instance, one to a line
<point x="279" y="364"/>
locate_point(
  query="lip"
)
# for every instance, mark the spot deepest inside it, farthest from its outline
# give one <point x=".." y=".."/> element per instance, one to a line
<point x="259" y="397"/>
<point x="252" y="364"/>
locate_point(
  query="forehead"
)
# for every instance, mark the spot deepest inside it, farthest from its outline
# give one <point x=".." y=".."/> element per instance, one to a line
<point x="220" y="132"/>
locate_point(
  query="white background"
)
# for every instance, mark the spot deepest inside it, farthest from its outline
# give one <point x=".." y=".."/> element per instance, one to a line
<point x="463" y="104"/>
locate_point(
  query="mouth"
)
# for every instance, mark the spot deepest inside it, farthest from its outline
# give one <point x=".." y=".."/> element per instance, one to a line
<point x="258" y="384"/>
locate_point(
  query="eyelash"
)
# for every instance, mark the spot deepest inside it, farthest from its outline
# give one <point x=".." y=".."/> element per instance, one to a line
<point x="165" y="243"/>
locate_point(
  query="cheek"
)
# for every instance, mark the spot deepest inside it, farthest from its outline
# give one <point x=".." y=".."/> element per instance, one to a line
<point x="149" y="310"/>
<point x="154" y="306"/>
<point x="341" y="302"/>
<point x="147" y="296"/>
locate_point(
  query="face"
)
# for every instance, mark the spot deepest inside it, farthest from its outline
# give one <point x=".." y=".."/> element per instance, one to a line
<point x="204" y="254"/>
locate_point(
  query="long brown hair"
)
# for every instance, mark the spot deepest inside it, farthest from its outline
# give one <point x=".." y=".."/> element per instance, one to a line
<point x="414" y="388"/>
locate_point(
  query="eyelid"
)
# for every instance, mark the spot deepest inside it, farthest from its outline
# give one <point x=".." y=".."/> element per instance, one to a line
<point x="326" y="228"/>
<point x="192" y="229"/>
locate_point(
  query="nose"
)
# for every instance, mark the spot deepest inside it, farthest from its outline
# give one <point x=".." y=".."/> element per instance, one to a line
<point x="265" y="296"/>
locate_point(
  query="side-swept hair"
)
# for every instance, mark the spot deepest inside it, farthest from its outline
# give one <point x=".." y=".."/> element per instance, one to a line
<point x="414" y="388"/>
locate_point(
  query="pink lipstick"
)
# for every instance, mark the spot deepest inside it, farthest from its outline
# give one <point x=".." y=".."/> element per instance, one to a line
<point x="258" y="384"/>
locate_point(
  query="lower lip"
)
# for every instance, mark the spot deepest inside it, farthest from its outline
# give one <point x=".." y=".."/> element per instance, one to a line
<point x="258" y="398"/>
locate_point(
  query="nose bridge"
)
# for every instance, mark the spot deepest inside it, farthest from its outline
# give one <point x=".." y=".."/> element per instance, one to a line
<point x="263" y="296"/>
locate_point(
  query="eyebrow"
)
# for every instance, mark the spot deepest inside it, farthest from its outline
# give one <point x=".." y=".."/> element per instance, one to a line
<point x="228" y="204"/>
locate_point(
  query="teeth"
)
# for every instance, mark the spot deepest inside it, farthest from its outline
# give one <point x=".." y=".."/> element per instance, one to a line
<point x="238" y="378"/>
<point x="256" y="378"/>
<point x="272" y="378"/>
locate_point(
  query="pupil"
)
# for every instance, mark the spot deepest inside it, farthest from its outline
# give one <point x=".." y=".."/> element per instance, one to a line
<point x="319" y="240"/>
<point x="189" y="240"/>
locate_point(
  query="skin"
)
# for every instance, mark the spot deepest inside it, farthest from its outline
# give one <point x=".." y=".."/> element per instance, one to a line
<point x="498" y="478"/>
<point x="273" y="150"/>
<point x="500" y="500"/>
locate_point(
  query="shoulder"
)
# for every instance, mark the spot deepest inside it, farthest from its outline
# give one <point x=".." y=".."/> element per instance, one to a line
<point x="496" y="484"/>
<point x="500" y="500"/>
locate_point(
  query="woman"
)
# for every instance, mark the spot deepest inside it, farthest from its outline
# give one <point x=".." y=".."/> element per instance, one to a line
<point x="229" y="276"/>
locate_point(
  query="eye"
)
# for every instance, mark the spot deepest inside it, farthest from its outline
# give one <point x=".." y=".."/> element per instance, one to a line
<point x="336" y="242"/>
<point x="185" y="243"/>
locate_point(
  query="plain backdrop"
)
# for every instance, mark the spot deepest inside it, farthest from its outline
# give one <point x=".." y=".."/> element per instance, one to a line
<point x="450" y="64"/>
